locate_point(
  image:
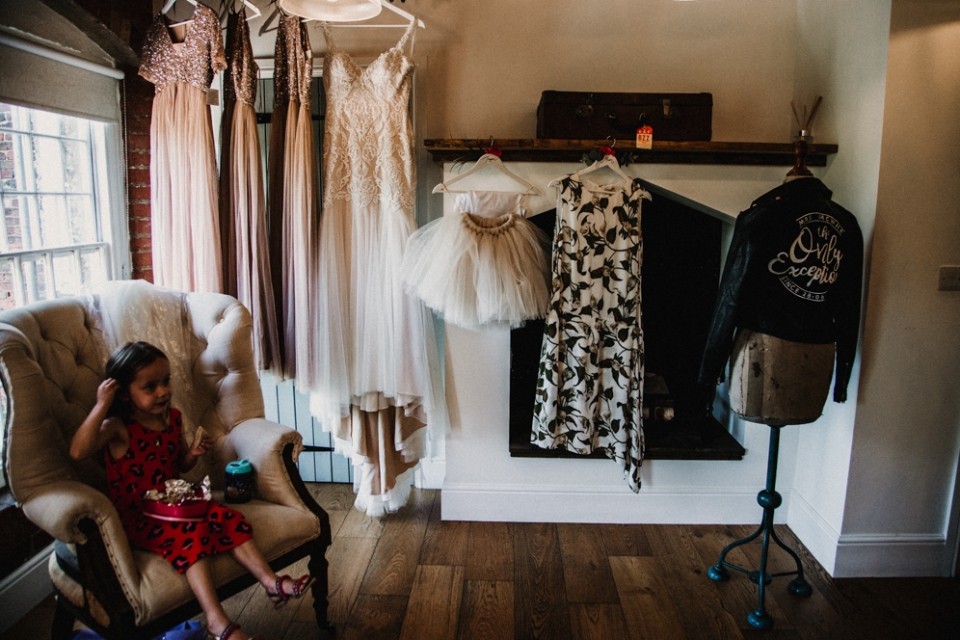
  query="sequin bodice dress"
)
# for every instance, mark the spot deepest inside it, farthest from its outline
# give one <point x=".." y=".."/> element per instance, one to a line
<point x="378" y="382"/>
<point x="185" y="227"/>
<point x="243" y="214"/>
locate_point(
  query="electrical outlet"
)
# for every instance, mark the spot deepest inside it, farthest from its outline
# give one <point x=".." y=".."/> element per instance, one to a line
<point x="949" y="278"/>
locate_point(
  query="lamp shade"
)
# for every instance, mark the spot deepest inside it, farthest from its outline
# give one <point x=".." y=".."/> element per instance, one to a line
<point x="333" y="10"/>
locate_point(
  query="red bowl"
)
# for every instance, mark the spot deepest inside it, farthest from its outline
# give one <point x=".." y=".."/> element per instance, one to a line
<point x="187" y="510"/>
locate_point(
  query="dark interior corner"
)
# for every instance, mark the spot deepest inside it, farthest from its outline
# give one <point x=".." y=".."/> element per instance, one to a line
<point x="681" y="272"/>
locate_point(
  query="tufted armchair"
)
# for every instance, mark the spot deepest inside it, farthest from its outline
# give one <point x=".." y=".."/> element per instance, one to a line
<point x="52" y="357"/>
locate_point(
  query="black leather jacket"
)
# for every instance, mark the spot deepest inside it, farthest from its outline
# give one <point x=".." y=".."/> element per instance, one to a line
<point x="794" y="271"/>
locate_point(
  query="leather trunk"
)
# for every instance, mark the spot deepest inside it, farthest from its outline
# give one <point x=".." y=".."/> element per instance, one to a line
<point x="580" y="115"/>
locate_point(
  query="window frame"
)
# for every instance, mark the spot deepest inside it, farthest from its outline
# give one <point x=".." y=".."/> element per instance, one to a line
<point x="108" y="195"/>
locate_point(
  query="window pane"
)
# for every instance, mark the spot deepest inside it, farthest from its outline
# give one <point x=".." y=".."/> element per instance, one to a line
<point x="83" y="220"/>
<point x="8" y="299"/>
<point x="67" y="278"/>
<point x="77" y="177"/>
<point x="45" y="122"/>
<point x="49" y="202"/>
<point x="48" y="164"/>
<point x="9" y="151"/>
<point x="34" y="280"/>
<point x="93" y="266"/>
<point x="54" y="228"/>
<point x="6" y="116"/>
<point x="14" y="209"/>
<point x="75" y="128"/>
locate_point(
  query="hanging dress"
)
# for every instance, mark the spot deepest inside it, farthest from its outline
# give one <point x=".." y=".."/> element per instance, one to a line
<point x="378" y="382"/>
<point x="293" y="199"/>
<point x="183" y="170"/>
<point x="485" y="264"/>
<point x="243" y="215"/>
<point x="276" y="145"/>
<point x="590" y="386"/>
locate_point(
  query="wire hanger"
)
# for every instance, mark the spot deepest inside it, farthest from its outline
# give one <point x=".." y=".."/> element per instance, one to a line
<point x="226" y="6"/>
<point x="167" y="7"/>
<point x="489" y="160"/>
<point x="265" y="27"/>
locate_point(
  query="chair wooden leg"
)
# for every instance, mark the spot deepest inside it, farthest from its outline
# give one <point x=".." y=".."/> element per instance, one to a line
<point x="318" y="567"/>
<point x="63" y="620"/>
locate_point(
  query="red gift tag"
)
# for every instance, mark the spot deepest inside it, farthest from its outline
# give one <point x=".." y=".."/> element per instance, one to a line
<point x="645" y="137"/>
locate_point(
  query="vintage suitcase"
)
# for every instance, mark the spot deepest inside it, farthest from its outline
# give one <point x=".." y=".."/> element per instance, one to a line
<point x="581" y="115"/>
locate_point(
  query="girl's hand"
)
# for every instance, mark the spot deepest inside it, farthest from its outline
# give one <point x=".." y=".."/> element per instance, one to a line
<point x="201" y="447"/>
<point x="105" y="392"/>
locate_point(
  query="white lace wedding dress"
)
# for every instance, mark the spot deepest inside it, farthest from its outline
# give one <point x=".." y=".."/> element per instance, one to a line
<point x="378" y="382"/>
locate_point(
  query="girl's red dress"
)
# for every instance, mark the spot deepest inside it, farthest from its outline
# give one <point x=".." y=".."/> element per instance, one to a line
<point x="154" y="457"/>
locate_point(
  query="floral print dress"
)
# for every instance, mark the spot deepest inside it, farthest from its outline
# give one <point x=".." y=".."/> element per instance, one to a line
<point x="590" y="384"/>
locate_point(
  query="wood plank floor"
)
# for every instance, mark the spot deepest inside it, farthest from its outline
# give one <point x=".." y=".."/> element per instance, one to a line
<point x="412" y="576"/>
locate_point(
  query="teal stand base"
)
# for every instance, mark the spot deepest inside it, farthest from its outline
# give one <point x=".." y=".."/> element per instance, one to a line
<point x="769" y="499"/>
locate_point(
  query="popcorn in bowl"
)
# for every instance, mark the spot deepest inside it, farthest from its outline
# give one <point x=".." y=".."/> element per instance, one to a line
<point x="179" y="501"/>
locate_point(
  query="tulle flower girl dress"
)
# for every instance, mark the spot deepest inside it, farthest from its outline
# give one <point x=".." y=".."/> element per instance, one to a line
<point x="485" y="264"/>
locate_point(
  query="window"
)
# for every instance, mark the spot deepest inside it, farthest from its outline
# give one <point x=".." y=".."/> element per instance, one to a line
<point x="57" y="198"/>
<point x="63" y="225"/>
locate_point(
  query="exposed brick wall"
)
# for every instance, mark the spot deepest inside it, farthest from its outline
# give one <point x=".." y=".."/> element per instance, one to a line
<point x="137" y="107"/>
<point x="129" y="20"/>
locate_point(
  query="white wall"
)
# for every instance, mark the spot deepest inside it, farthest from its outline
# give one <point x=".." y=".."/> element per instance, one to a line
<point x="907" y="437"/>
<point x="841" y="55"/>
<point x="484" y="483"/>
<point x="875" y="478"/>
<point x="869" y="486"/>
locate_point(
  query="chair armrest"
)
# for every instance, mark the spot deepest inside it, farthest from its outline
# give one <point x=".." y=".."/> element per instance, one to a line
<point x="59" y="507"/>
<point x="262" y="442"/>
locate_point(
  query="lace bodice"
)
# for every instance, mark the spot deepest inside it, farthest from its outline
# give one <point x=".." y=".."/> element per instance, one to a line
<point x="242" y="83"/>
<point x="369" y="137"/>
<point x="193" y="61"/>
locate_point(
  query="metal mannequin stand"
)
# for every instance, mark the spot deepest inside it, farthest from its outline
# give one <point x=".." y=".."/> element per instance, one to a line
<point x="769" y="499"/>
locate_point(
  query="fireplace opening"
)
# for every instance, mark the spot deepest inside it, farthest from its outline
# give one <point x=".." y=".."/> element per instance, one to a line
<point x="680" y="277"/>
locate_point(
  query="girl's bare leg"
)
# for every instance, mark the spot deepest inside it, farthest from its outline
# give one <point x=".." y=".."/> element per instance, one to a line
<point x="248" y="554"/>
<point x="201" y="583"/>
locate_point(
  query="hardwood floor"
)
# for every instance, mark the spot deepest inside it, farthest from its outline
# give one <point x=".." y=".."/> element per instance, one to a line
<point x="414" y="577"/>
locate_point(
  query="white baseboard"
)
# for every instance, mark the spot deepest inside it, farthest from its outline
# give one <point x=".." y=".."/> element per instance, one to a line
<point x="816" y="534"/>
<point x="892" y="556"/>
<point x="882" y="555"/>
<point x="24" y="589"/>
<point x="676" y="505"/>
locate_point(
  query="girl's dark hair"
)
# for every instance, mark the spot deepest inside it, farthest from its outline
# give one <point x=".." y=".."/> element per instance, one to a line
<point x="123" y="365"/>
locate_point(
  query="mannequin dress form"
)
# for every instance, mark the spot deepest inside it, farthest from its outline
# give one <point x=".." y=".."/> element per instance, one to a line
<point x="775" y="382"/>
<point x="779" y="382"/>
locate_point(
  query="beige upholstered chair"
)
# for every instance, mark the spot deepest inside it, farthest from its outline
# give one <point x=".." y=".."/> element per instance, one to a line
<point x="52" y="357"/>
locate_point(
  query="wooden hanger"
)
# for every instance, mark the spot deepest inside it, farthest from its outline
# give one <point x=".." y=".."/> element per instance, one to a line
<point x="489" y="160"/>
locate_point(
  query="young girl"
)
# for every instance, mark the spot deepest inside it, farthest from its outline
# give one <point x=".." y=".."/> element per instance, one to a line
<point x="141" y="434"/>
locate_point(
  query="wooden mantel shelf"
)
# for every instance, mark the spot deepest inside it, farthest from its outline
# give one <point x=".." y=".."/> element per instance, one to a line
<point x="543" y="150"/>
